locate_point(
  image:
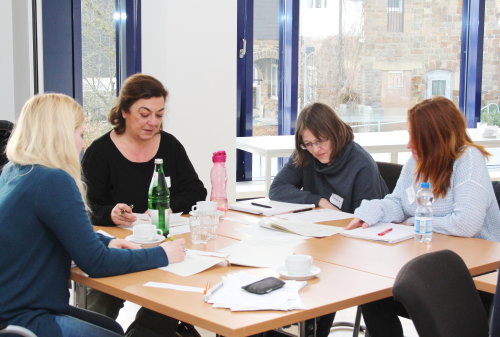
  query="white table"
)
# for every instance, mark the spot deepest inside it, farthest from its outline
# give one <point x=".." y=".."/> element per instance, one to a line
<point x="391" y="142"/>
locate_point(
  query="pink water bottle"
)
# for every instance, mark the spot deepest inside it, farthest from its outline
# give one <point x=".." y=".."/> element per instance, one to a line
<point x="218" y="177"/>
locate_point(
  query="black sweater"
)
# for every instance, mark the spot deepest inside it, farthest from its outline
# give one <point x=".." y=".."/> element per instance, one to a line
<point x="112" y="179"/>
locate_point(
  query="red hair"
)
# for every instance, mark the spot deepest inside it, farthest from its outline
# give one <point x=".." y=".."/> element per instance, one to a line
<point x="438" y="136"/>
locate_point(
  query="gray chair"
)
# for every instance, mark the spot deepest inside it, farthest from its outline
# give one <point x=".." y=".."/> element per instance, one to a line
<point x="438" y="293"/>
<point x="15" y="329"/>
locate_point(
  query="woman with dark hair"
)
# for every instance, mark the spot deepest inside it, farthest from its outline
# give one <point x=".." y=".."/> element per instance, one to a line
<point x="464" y="201"/>
<point x="327" y="169"/>
<point x="118" y="168"/>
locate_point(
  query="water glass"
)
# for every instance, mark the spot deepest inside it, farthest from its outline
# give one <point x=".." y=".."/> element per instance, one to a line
<point x="211" y="220"/>
<point x="199" y="230"/>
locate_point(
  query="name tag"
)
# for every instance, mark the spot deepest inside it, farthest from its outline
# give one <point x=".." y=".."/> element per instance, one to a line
<point x="410" y="194"/>
<point x="336" y="200"/>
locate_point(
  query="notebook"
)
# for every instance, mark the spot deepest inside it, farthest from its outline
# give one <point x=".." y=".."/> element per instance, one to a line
<point x="386" y="232"/>
<point x="268" y="207"/>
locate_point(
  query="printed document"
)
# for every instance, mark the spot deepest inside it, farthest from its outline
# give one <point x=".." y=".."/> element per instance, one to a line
<point x="303" y="228"/>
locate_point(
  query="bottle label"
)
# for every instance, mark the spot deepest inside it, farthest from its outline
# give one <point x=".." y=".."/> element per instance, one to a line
<point x="423" y="225"/>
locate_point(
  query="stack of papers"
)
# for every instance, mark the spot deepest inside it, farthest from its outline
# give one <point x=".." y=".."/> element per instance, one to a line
<point x="268" y="207"/>
<point x="308" y="229"/>
<point x="317" y="215"/>
<point x="230" y="295"/>
<point x="387" y="232"/>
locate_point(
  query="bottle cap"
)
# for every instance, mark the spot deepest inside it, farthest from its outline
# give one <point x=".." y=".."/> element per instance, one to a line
<point x="158" y="161"/>
<point x="425" y="185"/>
<point x="219" y="157"/>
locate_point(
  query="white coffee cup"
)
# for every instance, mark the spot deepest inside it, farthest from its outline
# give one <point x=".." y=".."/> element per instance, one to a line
<point x="145" y="232"/>
<point x="205" y="207"/>
<point x="298" y="264"/>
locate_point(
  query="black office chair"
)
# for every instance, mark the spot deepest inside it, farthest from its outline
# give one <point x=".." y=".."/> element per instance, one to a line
<point x="438" y="293"/>
<point x="5" y="130"/>
<point x="496" y="189"/>
<point x="390" y="172"/>
<point x="16" y="330"/>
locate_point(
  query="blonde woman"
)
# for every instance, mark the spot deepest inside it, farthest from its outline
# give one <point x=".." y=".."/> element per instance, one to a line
<point x="44" y="225"/>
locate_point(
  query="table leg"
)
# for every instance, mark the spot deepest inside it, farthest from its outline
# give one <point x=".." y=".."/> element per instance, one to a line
<point x="307" y="328"/>
<point x="267" y="161"/>
<point x="80" y="295"/>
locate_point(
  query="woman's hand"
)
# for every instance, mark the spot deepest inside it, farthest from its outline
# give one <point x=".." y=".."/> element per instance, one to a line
<point x="355" y="223"/>
<point x="124" y="244"/>
<point x="122" y="214"/>
<point x="175" y="250"/>
<point x="323" y="203"/>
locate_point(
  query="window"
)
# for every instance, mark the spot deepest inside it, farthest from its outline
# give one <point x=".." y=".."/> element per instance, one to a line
<point x="317" y="3"/>
<point x="439" y="84"/>
<point x="98" y="64"/>
<point x="395" y="16"/>
<point x="274" y="81"/>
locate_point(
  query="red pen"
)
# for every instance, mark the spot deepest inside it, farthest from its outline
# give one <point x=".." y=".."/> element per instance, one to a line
<point x="384" y="232"/>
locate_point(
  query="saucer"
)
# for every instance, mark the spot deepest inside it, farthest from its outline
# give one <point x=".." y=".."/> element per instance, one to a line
<point x="158" y="239"/>
<point x="312" y="273"/>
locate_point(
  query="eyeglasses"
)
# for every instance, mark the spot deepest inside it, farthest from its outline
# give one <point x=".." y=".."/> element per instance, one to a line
<point x="310" y="145"/>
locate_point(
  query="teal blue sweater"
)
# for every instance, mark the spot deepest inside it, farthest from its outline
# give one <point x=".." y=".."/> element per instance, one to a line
<point x="43" y="226"/>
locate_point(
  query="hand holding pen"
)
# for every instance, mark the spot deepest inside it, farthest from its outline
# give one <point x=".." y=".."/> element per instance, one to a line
<point x="122" y="214"/>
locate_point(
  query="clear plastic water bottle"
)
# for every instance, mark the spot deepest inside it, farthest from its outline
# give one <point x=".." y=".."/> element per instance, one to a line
<point x="218" y="178"/>
<point x="423" y="214"/>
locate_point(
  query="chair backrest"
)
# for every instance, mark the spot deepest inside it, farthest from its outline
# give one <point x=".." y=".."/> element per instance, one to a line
<point x="496" y="189"/>
<point x="5" y="130"/>
<point x="16" y="330"/>
<point x="438" y="292"/>
<point x="390" y="172"/>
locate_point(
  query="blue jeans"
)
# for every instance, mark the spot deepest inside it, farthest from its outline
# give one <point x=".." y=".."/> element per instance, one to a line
<point x="83" y="323"/>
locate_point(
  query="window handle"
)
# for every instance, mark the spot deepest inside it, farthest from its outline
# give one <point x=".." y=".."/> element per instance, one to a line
<point x="243" y="50"/>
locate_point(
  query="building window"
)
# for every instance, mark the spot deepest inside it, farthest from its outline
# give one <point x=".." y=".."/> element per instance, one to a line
<point x="395" y="15"/>
<point x="395" y="80"/>
<point x="439" y="83"/>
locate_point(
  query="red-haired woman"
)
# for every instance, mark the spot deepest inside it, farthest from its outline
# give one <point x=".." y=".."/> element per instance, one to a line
<point x="464" y="201"/>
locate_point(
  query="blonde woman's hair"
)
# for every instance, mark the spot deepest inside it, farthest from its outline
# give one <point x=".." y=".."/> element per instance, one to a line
<point x="44" y="135"/>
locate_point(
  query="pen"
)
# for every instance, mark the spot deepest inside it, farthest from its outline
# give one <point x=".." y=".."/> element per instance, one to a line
<point x="384" y="232"/>
<point x="207" y="286"/>
<point x="302" y="210"/>
<point x="260" y="205"/>
<point x="123" y="211"/>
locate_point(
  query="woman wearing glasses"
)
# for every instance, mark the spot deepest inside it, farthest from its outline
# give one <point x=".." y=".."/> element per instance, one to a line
<point x="327" y="169"/>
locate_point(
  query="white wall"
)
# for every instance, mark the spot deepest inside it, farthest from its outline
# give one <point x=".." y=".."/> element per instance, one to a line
<point x="16" y="70"/>
<point x="6" y="62"/>
<point x="190" y="46"/>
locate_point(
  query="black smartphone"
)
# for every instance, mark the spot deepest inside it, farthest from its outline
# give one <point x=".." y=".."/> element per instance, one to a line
<point x="264" y="286"/>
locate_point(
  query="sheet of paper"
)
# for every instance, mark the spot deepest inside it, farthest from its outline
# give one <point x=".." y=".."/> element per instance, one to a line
<point x="192" y="264"/>
<point x="308" y="229"/>
<point x="316" y="215"/>
<point x="397" y="232"/>
<point x="261" y="252"/>
<point x="100" y="231"/>
<point x="174" y="287"/>
<point x="273" y="207"/>
<point x="231" y="295"/>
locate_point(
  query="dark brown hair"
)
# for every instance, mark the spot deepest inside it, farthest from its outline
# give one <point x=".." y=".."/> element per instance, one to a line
<point x="134" y="88"/>
<point x="323" y="122"/>
<point x="438" y="136"/>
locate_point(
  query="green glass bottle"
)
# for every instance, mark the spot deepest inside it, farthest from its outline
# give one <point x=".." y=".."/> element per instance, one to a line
<point x="159" y="198"/>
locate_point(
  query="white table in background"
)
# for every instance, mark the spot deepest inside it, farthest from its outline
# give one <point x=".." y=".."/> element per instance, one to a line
<point x="391" y="142"/>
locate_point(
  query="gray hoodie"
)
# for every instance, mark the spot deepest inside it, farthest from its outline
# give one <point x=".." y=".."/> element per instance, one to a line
<point x="352" y="177"/>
